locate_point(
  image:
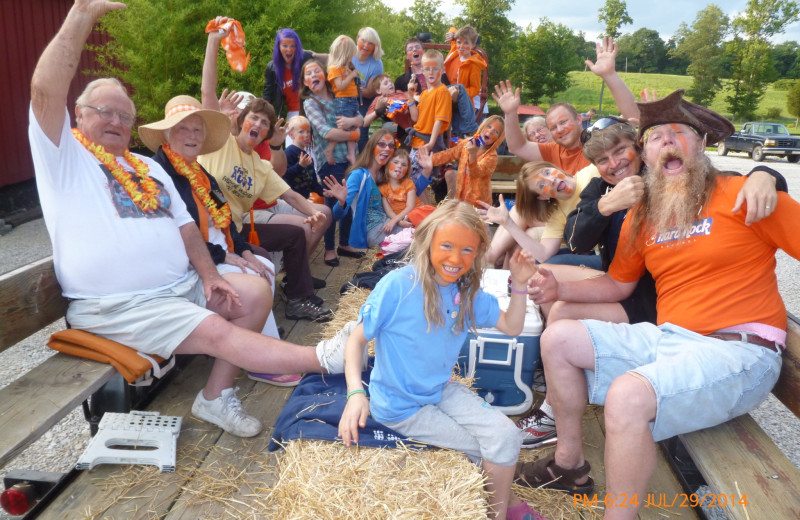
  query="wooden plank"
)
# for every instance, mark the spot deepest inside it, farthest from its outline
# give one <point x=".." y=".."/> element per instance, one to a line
<point x="504" y="186"/>
<point x="508" y="167"/>
<point x="737" y="458"/>
<point x="234" y="456"/>
<point x="30" y="299"/>
<point x="128" y="491"/>
<point x="787" y="389"/>
<point x="35" y="402"/>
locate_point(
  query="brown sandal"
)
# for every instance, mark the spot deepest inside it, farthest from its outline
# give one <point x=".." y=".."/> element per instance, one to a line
<point x="545" y="473"/>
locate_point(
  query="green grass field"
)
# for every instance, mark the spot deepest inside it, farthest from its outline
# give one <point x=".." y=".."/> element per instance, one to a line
<point x="585" y="93"/>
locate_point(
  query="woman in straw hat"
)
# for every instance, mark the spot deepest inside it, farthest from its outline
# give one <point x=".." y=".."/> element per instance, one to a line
<point x="187" y="131"/>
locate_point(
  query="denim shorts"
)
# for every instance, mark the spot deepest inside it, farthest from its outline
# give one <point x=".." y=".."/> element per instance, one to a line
<point x="699" y="381"/>
<point x="345" y="106"/>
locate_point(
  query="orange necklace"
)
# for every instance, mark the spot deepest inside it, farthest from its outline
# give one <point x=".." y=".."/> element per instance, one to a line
<point x="144" y="193"/>
<point x="220" y="215"/>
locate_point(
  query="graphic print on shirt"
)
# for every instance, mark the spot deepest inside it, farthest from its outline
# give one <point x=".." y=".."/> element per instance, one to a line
<point x="125" y="206"/>
<point x="673" y="237"/>
<point x="239" y="182"/>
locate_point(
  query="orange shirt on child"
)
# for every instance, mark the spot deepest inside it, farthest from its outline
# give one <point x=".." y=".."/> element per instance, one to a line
<point x="434" y="105"/>
<point x="398" y="198"/>
<point x="338" y="72"/>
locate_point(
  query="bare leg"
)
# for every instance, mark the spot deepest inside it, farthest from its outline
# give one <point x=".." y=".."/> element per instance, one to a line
<point x="231" y="336"/>
<point x="498" y="483"/>
<point x="630" y="456"/>
<point x="566" y="352"/>
<point x="503" y="242"/>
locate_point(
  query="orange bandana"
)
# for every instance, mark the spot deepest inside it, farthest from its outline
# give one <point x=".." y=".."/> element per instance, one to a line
<point x="233" y="44"/>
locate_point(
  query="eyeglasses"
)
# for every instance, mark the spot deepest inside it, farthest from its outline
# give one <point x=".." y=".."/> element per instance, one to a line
<point x="600" y="124"/>
<point x="385" y="145"/>
<point x="107" y="115"/>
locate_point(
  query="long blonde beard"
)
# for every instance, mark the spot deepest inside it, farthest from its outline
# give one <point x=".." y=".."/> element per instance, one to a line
<point x="675" y="201"/>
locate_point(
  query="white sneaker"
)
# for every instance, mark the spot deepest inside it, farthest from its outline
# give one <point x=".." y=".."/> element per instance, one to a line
<point x="330" y="352"/>
<point x="226" y="412"/>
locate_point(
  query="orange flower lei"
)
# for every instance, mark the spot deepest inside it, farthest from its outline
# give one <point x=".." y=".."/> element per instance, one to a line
<point x="145" y="193"/>
<point x="220" y="216"/>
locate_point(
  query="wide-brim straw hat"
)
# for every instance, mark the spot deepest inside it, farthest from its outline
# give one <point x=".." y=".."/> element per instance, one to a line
<point x="675" y="109"/>
<point x="218" y="126"/>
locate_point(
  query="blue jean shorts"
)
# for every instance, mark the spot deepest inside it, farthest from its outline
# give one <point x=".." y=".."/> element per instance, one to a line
<point x="699" y="381"/>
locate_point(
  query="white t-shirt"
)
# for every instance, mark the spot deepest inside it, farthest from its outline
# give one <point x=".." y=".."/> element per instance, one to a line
<point x="103" y="244"/>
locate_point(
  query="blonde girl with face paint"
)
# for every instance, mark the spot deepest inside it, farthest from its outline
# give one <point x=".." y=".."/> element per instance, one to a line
<point x="419" y="316"/>
<point x="545" y="195"/>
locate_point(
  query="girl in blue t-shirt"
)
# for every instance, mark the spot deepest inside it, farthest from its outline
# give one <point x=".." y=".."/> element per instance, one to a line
<point x="415" y="352"/>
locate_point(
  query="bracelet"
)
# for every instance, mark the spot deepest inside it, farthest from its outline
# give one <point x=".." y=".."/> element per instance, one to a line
<point x="511" y="286"/>
<point x="355" y="135"/>
<point x="411" y="104"/>
<point x="276" y="148"/>
<point x="354" y="392"/>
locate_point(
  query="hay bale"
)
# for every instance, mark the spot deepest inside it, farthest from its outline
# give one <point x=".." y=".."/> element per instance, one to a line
<point x="329" y="481"/>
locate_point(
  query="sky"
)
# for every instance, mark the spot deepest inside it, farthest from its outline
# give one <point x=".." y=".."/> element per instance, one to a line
<point x="581" y="15"/>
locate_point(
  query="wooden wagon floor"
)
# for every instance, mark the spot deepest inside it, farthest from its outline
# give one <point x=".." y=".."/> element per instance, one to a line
<point x="222" y="476"/>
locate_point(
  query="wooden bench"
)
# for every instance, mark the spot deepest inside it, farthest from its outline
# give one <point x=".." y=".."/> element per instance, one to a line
<point x="738" y="458"/>
<point x="504" y="178"/>
<point x="30" y="300"/>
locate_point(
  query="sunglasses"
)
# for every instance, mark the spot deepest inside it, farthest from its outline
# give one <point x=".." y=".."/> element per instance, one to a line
<point x="600" y="124"/>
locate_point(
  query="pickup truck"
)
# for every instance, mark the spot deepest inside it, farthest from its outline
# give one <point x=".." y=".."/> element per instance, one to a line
<point x="761" y="139"/>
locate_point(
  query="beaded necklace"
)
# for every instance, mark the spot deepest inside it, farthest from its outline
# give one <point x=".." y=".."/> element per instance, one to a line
<point x="220" y="215"/>
<point x="144" y="193"/>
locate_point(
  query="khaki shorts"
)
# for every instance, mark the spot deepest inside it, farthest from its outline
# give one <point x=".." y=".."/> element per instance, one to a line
<point x="153" y="323"/>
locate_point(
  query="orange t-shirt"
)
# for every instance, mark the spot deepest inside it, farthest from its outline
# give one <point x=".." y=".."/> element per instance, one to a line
<point x="292" y="97"/>
<point x="723" y="273"/>
<point x="398" y="199"/>
<point x="337" y="72"/>
<point x="434" y="105"/>
<point x="571" y="161"/>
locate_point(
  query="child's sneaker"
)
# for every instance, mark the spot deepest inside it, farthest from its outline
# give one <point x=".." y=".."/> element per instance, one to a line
<point x="523" y="512"/>
<point x="330" y="352"/>
<point x="226" y="412"/>
<point x="536" y="428"/>
<point x="276" y="379"/>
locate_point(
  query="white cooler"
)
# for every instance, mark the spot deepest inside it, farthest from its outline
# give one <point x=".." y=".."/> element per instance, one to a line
<point x="503" y="366"/>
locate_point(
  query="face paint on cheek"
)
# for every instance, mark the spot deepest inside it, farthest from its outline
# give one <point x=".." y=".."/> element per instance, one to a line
<point x="262" y="134"/>
<point x="547" y="191"/>
<point x="246" y="126"/>
<point x="453" y="251"/>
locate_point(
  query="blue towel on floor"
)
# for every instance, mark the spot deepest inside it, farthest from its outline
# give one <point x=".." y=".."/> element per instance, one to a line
<point x="314" y="409"/>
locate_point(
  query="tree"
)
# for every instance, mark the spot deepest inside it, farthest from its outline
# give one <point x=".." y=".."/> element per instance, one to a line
<point x="489" y="18"/>
<point x="702" y="46"/>
<point x="793" y="101"/>
<point x="644" y="51"/>
<point x="425" y="17"/>
<point x="750" y="48"/>
<point x="614" y="14"/>
<point x="543" y="58"/>
<point x="784" y="56"/>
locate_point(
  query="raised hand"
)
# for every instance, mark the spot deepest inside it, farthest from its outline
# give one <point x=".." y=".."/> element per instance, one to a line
<point x="304" y="160"/>
<point x="494" y="214"/>
<point x="523" y="268"/>
<point x="279" y="133"/>
<point x="606" y="57"/>
<point x="334" y="189"/>
<point x="228" y="101"/>
<point x="508" y="98"/>
<point x="98" y="8"/>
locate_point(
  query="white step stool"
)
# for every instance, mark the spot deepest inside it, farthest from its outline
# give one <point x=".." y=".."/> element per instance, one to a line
<point x="137" y="430"/>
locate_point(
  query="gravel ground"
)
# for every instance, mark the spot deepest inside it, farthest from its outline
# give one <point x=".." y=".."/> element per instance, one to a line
<point x="59" y="449"/>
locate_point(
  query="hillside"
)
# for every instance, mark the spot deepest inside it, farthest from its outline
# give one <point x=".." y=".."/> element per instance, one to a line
<point x="585" y="93"/>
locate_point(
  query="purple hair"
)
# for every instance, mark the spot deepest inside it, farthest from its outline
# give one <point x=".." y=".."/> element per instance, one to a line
<point x="280" y="65"/>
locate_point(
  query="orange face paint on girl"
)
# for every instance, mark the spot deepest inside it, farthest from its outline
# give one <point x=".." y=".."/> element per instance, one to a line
<point x="453" y="251"/>
<point x="380" y="151"/>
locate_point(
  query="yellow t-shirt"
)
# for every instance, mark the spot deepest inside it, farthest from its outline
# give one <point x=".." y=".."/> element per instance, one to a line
<point x="243" y="178"/>
<point x="554" y="228"/>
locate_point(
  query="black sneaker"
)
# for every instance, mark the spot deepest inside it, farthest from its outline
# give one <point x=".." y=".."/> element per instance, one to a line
<point x="316" y="282"/>
<point x="304" y="309"/>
